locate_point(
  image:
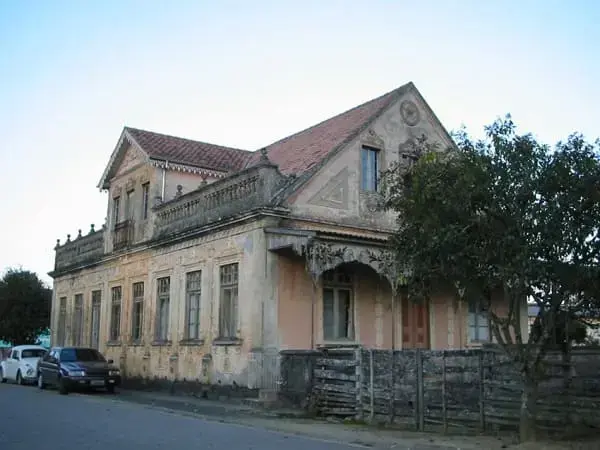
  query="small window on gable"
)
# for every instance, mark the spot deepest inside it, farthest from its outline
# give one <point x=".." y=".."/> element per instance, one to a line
<point x="145" y="200"/>
<point x="116" y="209"/>
<point x="369" y="160"/>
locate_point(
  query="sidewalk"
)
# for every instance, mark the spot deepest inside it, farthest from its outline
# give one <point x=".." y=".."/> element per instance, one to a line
<point x="292" y="422"/>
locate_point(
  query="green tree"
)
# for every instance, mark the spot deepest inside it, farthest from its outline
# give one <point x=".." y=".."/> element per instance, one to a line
<point x="506" y="216"/>
<point x="25" y="304"/>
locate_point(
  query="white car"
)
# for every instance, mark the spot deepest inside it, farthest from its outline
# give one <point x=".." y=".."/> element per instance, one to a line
<point x="21" y="365"/>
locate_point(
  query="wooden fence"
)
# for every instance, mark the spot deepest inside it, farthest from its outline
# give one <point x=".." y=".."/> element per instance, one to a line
<point x="477" y="389"/>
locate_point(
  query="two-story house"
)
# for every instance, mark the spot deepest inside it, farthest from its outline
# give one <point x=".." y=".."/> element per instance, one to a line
<point x="214" y="259"/>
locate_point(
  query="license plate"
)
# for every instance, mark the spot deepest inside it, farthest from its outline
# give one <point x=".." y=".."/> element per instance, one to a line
<point x="97" y="382"/>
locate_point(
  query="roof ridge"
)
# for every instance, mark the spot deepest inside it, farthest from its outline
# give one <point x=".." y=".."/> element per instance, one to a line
<point x="187" y="139"/>
<point x="362" y="105"/>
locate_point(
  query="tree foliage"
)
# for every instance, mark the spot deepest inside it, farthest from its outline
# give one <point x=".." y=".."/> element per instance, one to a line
<point x="25" y="304"/>
<point x="503" y="217"/>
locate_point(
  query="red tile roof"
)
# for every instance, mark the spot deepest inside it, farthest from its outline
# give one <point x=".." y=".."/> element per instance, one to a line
<point x="294" y="154"/>
<point x="185" y="151"/>
<point x="301" y="151"/>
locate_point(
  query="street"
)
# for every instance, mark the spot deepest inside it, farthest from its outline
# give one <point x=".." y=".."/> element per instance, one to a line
<point x="31" y="419"/>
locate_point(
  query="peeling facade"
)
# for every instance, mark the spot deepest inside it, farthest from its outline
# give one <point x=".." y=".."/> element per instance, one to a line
<point x="212" y="260"/>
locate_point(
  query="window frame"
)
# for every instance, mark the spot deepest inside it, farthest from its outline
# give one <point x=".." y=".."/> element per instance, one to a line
<point x="61" y="326"/>
<point x="336" y="281"/>
<point x="145" y="199"/>
<point x="369" y="182"/>
<point x="96" y="303"/>
<point x="77" y="320"/>
<point x="162" y="326"/>
<point x="190" y="294"/>
<point x="116" y="209"/>
<point x="231" y="289"/>
<point x="137" y="311"/>
<point x="477" y="314"/>
<point x="116" y="304"/>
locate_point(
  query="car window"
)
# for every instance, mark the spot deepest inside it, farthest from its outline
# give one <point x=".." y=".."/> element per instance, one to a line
<point x="80" y="354"/>
<point x="15" y="354"/>
<point x="33" y="353"/>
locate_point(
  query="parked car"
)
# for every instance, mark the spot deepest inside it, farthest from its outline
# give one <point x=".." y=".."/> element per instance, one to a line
<point x="22" y="363"/>
<point x="71" y="368"/>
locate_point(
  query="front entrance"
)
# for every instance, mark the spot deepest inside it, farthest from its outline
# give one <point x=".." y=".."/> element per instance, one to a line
<point x="415" y="325"/>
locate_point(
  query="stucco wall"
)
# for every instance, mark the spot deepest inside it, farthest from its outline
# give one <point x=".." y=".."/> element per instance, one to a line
<point x="389" y="133"/>
<point x="243" y="244"/>
<point x="373" y="315"/>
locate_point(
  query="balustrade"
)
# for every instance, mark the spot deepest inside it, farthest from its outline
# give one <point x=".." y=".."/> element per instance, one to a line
<point x="224" y="198"/>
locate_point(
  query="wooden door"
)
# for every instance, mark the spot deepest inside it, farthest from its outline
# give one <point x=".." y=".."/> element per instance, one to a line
<point x="415" y="325"/>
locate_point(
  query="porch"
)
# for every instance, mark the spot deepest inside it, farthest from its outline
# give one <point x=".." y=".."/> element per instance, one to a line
<point x="338" y="291"/>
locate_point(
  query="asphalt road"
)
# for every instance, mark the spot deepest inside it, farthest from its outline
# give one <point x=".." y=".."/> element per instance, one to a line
<point x="33" y="419"/>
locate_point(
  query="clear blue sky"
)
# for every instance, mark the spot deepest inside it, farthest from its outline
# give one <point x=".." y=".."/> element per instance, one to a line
<point x="245" y="73"/>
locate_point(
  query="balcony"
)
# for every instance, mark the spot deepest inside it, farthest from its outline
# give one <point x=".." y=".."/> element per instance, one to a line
<point x="83" y="250"/>
<point x="243" y="192"/>
<point x="122" y="235"/>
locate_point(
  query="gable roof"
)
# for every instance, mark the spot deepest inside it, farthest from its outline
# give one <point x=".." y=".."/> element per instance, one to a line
<point x="299" y="154"/>
<point x="302" y="151"/>
<point x="175" y="150"/>
<point x="185" y="151"/>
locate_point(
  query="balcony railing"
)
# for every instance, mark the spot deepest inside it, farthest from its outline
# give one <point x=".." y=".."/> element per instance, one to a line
<point x="123" y="235"/>
<point x="245" y="191"/>
<point x="82" y="250"/>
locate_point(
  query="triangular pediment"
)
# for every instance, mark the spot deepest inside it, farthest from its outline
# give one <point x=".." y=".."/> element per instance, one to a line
<point x="131" y="158"/>
<point x="126" y="155"/>
<point x="335" y="192"/>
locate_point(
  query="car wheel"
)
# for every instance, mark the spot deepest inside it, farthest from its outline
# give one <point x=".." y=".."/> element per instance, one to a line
<point x="62" y="387"/>
<point x="19" y="378"/>
<point x="110" y="388"/>
<point x="2" y="379"/>
<point x="40" y="382"/>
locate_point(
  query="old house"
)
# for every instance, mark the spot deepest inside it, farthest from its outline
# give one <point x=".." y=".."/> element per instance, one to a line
<point x="214" y="259"/>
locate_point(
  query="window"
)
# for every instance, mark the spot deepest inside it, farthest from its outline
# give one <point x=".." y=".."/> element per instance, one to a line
<point x="162" y="310"/>
<point x="62" y="321"/>
<point x="137" y="312"/>
<point x="193" y="293"/>
<point x="338" y="312"/>
<point x="369" y="169"/>
<point x="116" y="209"/>
<point x="479" y="330"/>
<point x="96" y="308"/>
<point x="129" y="205"/>
<point x="33" y="353"/>
<point x="80" y="354"/>
<point x="15" y="354"/>
<point x="115" y="313"/>
<point x="78" y="320"/>
<point x="145" y="200"/>
<point x="228" y="301"/>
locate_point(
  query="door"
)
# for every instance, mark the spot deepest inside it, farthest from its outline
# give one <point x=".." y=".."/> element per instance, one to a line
<point x="49" y="366"/>
<point x="415" y="325"/>
<point x="12" y="365"/>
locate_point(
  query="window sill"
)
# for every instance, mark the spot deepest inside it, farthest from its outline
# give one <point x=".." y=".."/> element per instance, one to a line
<point x="113" y="344"/>
<point x="191" y="342"/>
<point x="160" y="343"/>
<point x="477" y="344"/>
<point x="338" y="343"/>
<point x="227" y="341"/>
<point x="136" y="344"/>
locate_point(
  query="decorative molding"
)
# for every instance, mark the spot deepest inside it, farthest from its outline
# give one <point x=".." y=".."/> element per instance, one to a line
<point x="187" y="169"/>
<point x="132" y="156"/>
<point x="335" y="193"/>
<point x="410" y="113"/>
<point x="372" y="139"/>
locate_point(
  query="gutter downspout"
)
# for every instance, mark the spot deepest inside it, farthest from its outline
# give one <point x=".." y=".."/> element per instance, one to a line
<point x="164" y="178"/>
